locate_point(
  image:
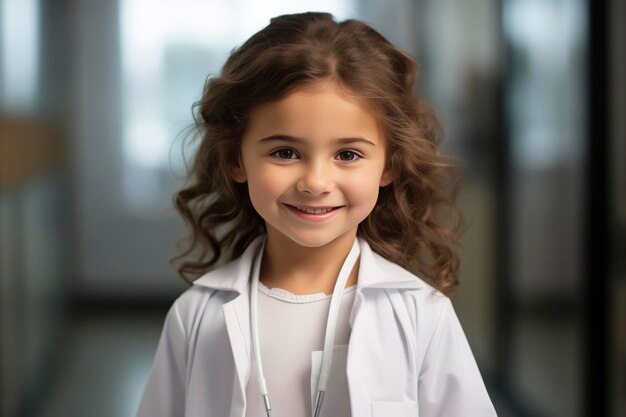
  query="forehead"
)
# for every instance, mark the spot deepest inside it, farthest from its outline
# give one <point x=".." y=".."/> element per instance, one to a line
<point x="319" y="111"/>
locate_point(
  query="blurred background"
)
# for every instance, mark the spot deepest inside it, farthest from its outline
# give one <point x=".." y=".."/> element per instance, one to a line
<point x="95" y="99"/>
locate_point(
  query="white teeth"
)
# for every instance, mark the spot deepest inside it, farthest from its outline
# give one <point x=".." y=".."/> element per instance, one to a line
<point x="314" y="211"/>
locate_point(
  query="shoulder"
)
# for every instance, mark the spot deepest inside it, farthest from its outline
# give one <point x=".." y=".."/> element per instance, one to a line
<point x="422" y="292"/>
<point x="424" y="302"/>
<point x="427" y="309"/>
<point x="416" y="305"/>
<point x="222" y="282"/>
<point x="199" y="300"/>
<point x="192" y="300"/>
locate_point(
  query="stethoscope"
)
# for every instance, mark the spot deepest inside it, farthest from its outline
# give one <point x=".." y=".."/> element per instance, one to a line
<point x="331" y="324"/>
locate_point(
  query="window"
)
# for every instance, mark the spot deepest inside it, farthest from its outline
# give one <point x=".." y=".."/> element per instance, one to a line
<point x="19" y="31"/>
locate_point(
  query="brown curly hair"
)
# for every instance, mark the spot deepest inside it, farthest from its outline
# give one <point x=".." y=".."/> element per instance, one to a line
<point x="415" y="222"/>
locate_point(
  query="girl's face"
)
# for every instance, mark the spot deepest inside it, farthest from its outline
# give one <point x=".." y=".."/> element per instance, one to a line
<point x="314" y="162"/>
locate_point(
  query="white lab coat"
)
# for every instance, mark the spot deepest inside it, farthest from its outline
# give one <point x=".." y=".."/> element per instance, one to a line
<point x="407" y="354"/>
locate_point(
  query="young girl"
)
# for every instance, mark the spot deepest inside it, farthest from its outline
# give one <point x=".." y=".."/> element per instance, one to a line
<point x="319" y="182"/>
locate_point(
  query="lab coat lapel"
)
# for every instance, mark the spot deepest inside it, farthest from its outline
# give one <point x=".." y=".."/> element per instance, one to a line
<point x="235" y="277"/>
<point x="365" y="382"/>
<point x="377" y="272"/>
<point x="236" y="317"/>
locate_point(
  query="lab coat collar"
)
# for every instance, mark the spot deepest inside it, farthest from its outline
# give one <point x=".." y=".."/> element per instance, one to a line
<point x="235" y="275"/>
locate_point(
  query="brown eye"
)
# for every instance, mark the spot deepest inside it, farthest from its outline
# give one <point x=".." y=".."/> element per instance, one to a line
<point x="348" y="156"/>
<point x="284" y="154"/>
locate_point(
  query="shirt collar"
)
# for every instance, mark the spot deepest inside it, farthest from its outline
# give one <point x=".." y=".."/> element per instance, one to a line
<point x="374" y="271"/>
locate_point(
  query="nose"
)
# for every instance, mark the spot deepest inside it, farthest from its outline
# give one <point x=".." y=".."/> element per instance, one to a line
<point x="316" y="179"/>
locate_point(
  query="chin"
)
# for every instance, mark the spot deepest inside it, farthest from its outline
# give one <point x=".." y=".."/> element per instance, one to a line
<point x="312" y="243"/>
<point x="308" y="241"/>
<point x="313" y="240"/>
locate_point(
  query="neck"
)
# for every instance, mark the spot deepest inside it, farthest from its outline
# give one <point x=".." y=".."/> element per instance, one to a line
<point x="305" y="270"/>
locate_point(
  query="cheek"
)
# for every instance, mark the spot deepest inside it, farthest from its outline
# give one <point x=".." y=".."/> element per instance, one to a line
<point x="265" y="186"/>
<point x="363" y="190"/>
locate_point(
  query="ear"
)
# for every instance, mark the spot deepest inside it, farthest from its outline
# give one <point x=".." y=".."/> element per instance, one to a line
<point x="238" y="172"/>
<point x="386" y="178"/>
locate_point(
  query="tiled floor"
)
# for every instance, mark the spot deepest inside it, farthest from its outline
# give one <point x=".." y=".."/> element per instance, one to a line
<point x="105" y="367"/>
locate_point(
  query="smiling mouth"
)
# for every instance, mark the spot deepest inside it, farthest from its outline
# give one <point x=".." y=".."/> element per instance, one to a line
<point x="311" y="210"/>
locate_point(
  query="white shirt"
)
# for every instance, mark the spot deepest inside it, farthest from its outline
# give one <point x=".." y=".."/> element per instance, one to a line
<point x="291" y="332"/>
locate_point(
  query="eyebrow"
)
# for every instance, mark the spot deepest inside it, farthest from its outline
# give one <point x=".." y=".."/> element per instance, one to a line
<point x="287" y="138"/>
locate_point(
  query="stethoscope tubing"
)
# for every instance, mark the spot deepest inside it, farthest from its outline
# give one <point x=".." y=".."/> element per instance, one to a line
<point x="331" y="325"/>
